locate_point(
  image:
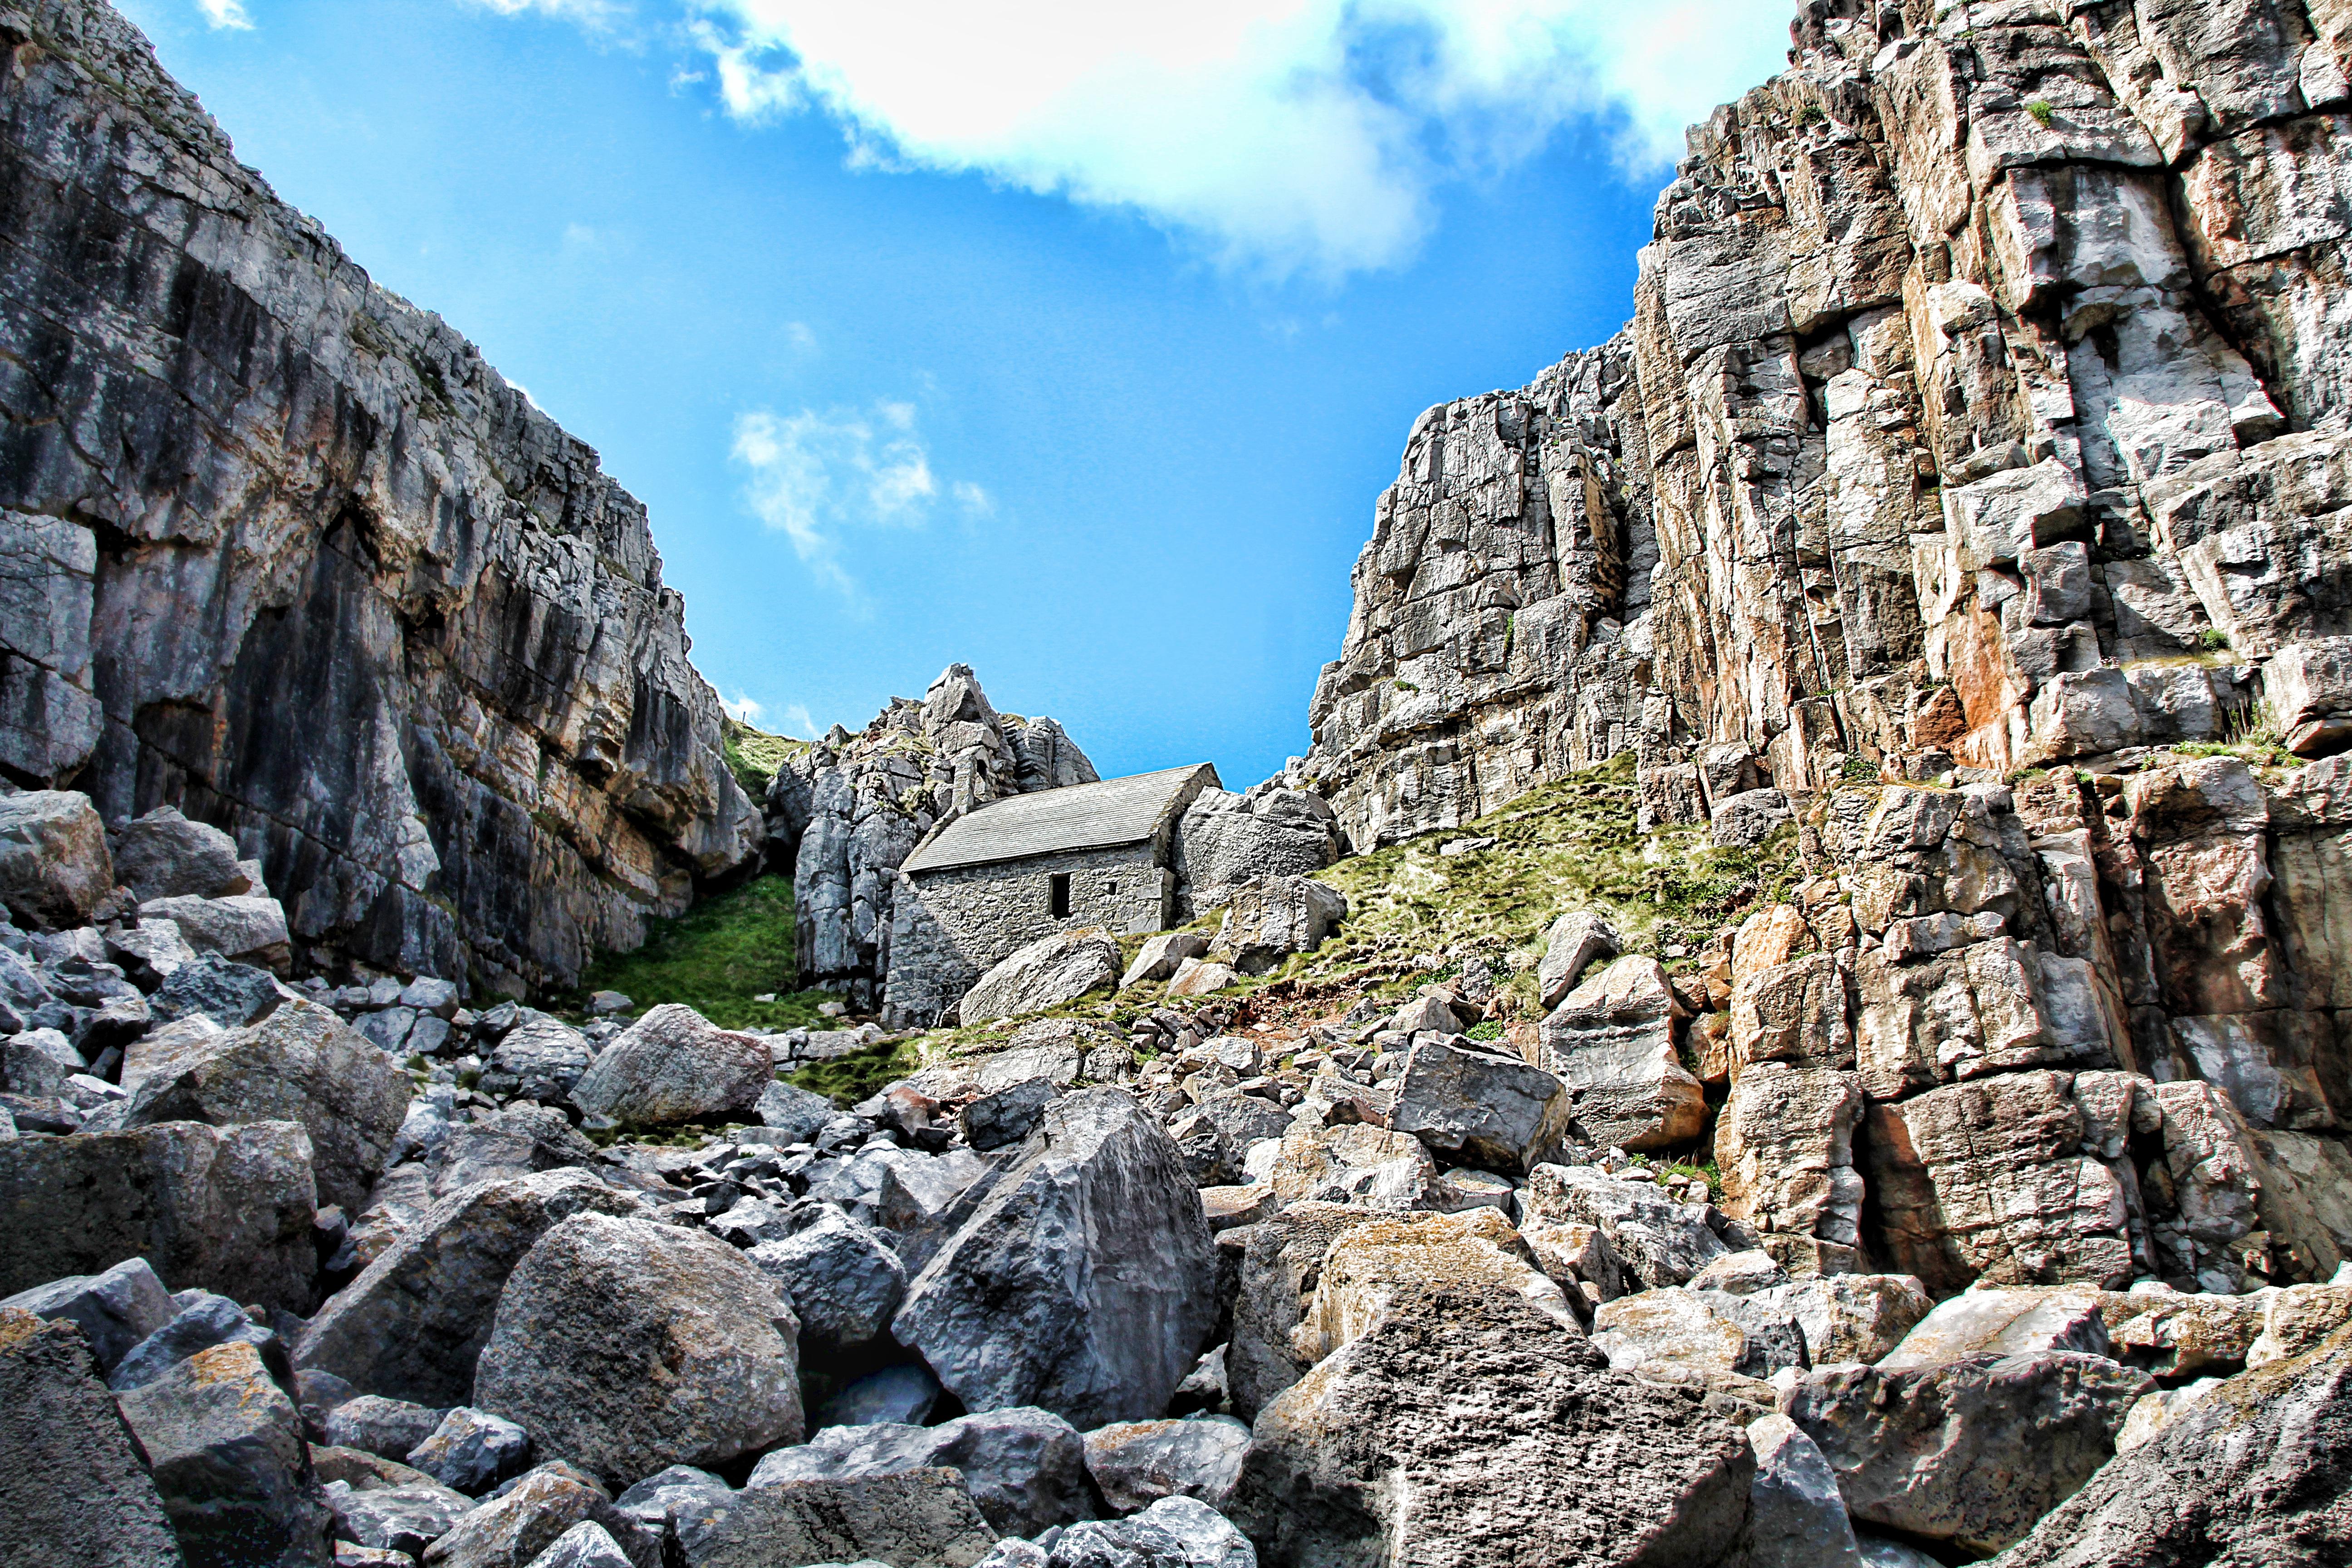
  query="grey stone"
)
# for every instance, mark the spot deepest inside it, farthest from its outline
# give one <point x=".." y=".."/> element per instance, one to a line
<point x="1174" y="1532"/>
<point x="53" y="867"/>
<point x="1479" y="1108"/>
<point x="471" y="1450"/>
<point x="1611" y="1041"/>
<point x="1850" y="1317"/>
<point x="586" y="1544"/>
<point x="676" y="1506"/>
<point x="914" y="1519"/>
<point x="1271" y="918"/>
<point x="209" y="986"/>
<point x="36" y="1062"/>
<point x="672" y="1066"/>
<point x="151" y="952"/>
<point x="224" y="1445"/>
<point x="1972" y="1451"/>
<point x="1046" y="974"/>
<point x="1743" y="821"/>
<point x="527" y="1518"/>
<point x="73" y="1488"/>
<point x="1085" y="1280"/>
<point x="225" y="1209"/>
<point x="626" y="1345"/>
<point x="1135" y="1463"/>
<point x="116" y="1309"/>
<point x="541" y="1058"/>
<point x="1704" y="1329"/>
<point x="246" y="928"/>
<point x="2013" y="1322"/>
<point x="1160" y="956"/>
<point x="1660" y="1241"/>
<point x="842" y="1278"/>
<point x="795" y="1111"/>
<point x="162" y="855"/>
<point x="387" y="1428"/>
<point x="413" y="1324"/>
<point x="1007" y="1116"/>
<point x="1799" y="1519"/>
<point x="520" y="1140"/>
<point x="1574" y="940"/>
<point x="300" y="1064"/>
<point x="1025" y="1468"/>
<point x="405" y="1519"/>
<point x="905" y="1392"/>
<point x="1225" y="840"/>
<point x="201" y="1323"/>
<point x="1468" y="1411"/>
<point x="1279" y="1268"/>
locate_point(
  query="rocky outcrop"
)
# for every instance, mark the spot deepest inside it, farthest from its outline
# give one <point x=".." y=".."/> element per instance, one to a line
<point x="282" y="552"/>
<point x="845" y="815"/>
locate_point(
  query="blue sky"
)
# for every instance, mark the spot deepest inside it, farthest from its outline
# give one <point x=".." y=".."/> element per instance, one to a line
<point x="1070" y="341"/>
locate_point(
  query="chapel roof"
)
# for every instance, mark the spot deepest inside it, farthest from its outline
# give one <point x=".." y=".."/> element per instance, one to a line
<point x="1075" y="817"/>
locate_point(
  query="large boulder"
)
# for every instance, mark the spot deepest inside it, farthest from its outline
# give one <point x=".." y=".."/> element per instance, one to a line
<point x="54" y="866"/>
<point x="1372" y="1267"/>
<point x="1046" y="974"/>
<point x="1784" y="1142"/>
<point x="116" y="1309"/>
<point x="1447" y="1434"/>
<point x="2257" y="1472"/>
<point x="541" y="1058"/>
<point x="1225" y="840"/>
<point x="914" y="1519"/>
<point x="1799" y="1519"/>
<point x="1174" y="1532"/>
<point x="1084" y="1282"/>
<point x="204" y="1321"/>
<point x="225" y="1445"/>
<point x="73" y="1488"/>
<point x="248" y="927"/>
<point x="672" y="1065"/>
<point x="1661" y="1241"/>
<point x="1273" y="916"/>
<point x="524" y="1520"/>
<point x="520" y="1140"/>
<point x="1611" y="1041"/>
<point x="226" y="1209"/>
<point x="1849" y="1317"/>
<point x="1025" y="1468"/>
<point x="2015" y="1322"/>
<point x="1281" y="1267"/>
<point x="842" y="1280"/>
<point x="301" y="1064"/>
<point x="162" y="855"/>
<point x="1481" y="1108"/>
<point x="626" y="1345"/>
<point x="1572" y="942"/>
<point x="1137" y="1463"/>
<point x="1971" y="1452"/>
<point x="1704" y="1330"/>
<point x="414" y="1324"/>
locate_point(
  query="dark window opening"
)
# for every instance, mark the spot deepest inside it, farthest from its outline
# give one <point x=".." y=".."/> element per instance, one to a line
<point x="1061" y="897"/>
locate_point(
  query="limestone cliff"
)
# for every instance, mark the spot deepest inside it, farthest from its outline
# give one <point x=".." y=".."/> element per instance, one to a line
<point x="1984" y="403"/>
<point x="281" y="550"/>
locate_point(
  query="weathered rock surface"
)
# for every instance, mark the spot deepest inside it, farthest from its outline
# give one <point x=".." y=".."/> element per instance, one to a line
<point x="300" y="1064"/>
<point x="626" y="1345"/>
<point x="512" y="1529"/>
<point x="357" y="530"/>
<point x="412" y="1325"/>
<point x="74" y="1489"/>
<point x="1084" y="1282"/>
<point x="1441" y="1437"/>
<point x="842" y="1280"/>
<point x="1612" y="1040"/>
<point x="1025" y="1468"/>
<point x="1135" y="1463"/>
<point x="224" y="1445"/>
<point x="1800" y="1518"/>
<point x="218" y="1209"/>
<point x="54" y="866"/>
<point x="1481" y="1108"/>
<point x="1174" y="1532"/>
<point x="1270" y="918"/>
<point x="1374" y="1270"/>
<point x="1046" y="974"/>
<point x="1972" y="1451"/>
<point x="914" y="1519"/>
<point x="2252" y="1473"/>
<point x="674" y="1065"/>
<point x="471" y="1450"/>
<point x="1661" y="1241"/>
<point x="114" y="1310"/>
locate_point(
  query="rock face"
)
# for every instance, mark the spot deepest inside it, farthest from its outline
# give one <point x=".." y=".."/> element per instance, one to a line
<point x="1046" y="974"/>
<point x="918" y="1519"/>
<point x="1085" y="1283"/>
<point x="626" y="1345"/>
<point x="672" y="1065"/>
<point x="225" y="1445"/>
<point x="1441" y="1435"/>
<point x="357" y="529"/>
<point x="843" y="815"/>
<point x="73" y="1490"/>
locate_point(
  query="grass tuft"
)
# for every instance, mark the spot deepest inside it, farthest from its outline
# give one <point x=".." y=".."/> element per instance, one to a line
<point x="717" y="958"/>
<point x="860" y="1075"/>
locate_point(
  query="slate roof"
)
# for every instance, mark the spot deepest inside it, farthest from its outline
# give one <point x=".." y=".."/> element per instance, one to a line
<point x="1076" y="816"/>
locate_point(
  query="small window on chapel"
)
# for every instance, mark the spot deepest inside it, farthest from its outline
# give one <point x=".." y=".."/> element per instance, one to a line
<point x="1060" y="893"/>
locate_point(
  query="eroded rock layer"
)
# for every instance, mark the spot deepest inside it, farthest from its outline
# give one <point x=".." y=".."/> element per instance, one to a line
<point x="1984" y="403"/>
<point x="280" y="549"/>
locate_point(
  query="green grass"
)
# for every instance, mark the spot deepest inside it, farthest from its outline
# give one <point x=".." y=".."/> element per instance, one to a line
<point x="754" y="756"/>
<point x="716" y="958"/>
<point x="860" y="1075"/>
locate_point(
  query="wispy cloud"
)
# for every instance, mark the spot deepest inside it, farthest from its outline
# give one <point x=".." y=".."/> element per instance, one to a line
<point x="227" y="14"/>
<point x="1282" y="134"/>
<point x="590" y="13"/>
<point x="817" y="475"/>
<point x="797" y="722"/>
<point x="741" y="707"/>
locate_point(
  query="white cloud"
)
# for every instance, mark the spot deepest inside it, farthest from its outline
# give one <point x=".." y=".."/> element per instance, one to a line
<point x="742" y="709"/>
<point x="227" y="14"/>
<point x="817" y="475"/>
<point x="798" y="724"/>
<point x="797" y="334"/>
<point x="590" y="13"/>
<point x="1285" y="134"/>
